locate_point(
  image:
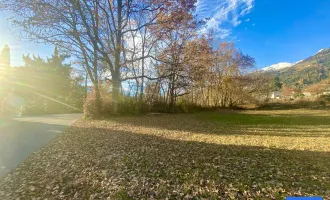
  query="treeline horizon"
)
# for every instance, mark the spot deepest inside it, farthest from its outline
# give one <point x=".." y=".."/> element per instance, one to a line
<point x="143" y="56"/>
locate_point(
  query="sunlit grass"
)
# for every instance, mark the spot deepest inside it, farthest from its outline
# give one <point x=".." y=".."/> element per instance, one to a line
<point x="298" y="131"/>
<point x="211" y="155"/>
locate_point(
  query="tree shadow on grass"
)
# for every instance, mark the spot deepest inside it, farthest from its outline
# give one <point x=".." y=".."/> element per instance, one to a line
<point x="111" y="162"/>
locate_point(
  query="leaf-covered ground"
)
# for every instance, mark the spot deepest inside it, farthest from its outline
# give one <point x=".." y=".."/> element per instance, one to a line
<point x="212" y="155"/>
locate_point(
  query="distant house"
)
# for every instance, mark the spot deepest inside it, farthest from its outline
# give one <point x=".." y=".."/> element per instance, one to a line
<point x="275" y="95"/>
<point x="326" y="91"/>
<point x="307" y="94"/>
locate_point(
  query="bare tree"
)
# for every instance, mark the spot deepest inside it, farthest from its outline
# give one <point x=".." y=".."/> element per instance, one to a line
<point x="92" y="30"/>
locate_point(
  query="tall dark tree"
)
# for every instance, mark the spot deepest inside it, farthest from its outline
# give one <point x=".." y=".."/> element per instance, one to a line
<point x="277" y="85"/>
<point x="5" y="57"/>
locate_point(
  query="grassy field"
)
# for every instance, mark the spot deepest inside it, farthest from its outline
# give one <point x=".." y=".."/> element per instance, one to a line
<point x="210" y="155"/>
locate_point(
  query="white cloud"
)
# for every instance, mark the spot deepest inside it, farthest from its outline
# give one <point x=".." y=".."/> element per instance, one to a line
<point x="223" y="14"/>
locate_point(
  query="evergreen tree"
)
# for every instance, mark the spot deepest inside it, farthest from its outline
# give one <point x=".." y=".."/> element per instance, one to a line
<point x="277" y="85"/>
<point x="47" y="85"/>
<point x="5" y="57"/>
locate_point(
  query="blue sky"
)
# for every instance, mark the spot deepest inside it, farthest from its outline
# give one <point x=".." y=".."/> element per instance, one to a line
<point x="271" y="31"/>
<point x="10" y="36"/>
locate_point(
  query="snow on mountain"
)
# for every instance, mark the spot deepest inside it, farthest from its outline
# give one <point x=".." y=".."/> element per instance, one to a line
<point x="320" y="51"/>
<point x="283" y="65"/>
<point x="277" y="66"/>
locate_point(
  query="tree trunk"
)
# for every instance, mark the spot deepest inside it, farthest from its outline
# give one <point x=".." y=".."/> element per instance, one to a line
<point x="142" y="63"/>
<point x="115" y="94"/>
<point x="86" y="85"/>
<point x="172" y="93"/>
<point x="136" y="96"/>
<point x="116" y="73"/>
<point x="98" y="101"/>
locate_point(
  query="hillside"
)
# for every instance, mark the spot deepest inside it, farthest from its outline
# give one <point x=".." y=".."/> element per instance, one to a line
<point x="312" y="70"/>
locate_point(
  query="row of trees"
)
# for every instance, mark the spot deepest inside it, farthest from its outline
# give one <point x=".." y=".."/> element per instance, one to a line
<point x="149" y="50"/>
<point x="47" y="86"/>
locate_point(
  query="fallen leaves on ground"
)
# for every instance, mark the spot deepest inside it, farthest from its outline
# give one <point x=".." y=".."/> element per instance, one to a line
<point x="184" y="156"/>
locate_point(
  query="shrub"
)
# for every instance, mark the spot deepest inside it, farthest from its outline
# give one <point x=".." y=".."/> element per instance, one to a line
<point x="126" y="106"/>
<point x="159" y="107"/>
<point x="322" y="103"/>
<point x="184" y="106"/>
<point x="90" y="109"/>
<point x="325" y="98"/>
<point x="131" y="106"/>
<point x="297" y="104"/>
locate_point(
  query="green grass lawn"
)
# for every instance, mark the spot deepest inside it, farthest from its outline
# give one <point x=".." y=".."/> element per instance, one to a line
<point x="211" y="155"/>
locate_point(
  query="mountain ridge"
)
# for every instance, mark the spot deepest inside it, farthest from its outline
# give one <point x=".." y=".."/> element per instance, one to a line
<point x="311" y="70"/>
<point x="282" y="65"/>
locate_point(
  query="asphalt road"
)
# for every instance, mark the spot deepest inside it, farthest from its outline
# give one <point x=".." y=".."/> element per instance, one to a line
<point x="20" y="137"/>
